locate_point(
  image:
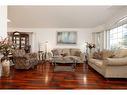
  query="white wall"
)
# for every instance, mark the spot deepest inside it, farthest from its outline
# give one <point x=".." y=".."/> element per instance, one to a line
<point x="3" y="21"/>
<point x="41" y="35"/>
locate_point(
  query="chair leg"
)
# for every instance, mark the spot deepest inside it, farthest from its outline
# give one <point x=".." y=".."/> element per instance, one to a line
<point x="52" y="64"/>
<point x="35" y="66"/>
<point x="74" y="65"/>
<point x="32" y="67"/>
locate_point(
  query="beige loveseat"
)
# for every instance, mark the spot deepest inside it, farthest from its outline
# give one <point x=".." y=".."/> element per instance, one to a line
<point x="67" y="55"/>
<point x="112" y="65"/>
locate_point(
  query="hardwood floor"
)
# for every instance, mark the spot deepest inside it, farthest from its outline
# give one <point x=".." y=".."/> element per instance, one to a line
<point x="43" y="77"/>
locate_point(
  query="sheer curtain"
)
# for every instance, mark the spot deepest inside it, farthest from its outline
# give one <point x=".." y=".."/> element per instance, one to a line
<point x="98" y="40"/>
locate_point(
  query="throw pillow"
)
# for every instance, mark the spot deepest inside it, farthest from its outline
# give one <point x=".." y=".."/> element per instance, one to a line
<point x="66" y="51"/>
<point x="64" y="54"/>
<point x="97" y="55"/>
<point x="107" y="54"/>
<point x="55" y="52"/>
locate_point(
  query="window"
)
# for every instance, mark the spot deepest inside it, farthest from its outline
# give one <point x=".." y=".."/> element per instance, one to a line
<point x="118" y="37"/>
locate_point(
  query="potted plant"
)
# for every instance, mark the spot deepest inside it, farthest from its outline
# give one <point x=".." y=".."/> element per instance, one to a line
<point x="5" y="47"/>
<point x="89" y="46"/>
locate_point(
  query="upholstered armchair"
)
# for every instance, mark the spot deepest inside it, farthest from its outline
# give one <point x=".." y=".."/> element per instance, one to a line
<point x="24" y="60"/>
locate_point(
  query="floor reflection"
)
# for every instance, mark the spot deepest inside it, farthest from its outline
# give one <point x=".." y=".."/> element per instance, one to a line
<point x="43" y="77"/>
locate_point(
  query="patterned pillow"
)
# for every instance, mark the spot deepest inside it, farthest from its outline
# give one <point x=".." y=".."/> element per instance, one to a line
<point x="98" y="55"/>
<point x="66" y="51"/>
<point x="64" y="54"/>
<point x="55" y="52"/>
<point x="107" y="54"/>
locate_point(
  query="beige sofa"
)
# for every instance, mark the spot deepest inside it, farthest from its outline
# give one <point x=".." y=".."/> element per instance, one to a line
<point x="114" y="67"/>
<point x="67" y="55"/>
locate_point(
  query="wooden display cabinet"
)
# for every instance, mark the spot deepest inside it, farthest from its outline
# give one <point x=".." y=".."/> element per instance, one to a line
<point x="21" y="41"/>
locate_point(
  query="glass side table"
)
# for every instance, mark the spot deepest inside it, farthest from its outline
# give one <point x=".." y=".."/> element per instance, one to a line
<point x="86" y="58"/>
<point x="0" y="70"/>
<point x="47" y="56"/>
<point x="40" y="55"/>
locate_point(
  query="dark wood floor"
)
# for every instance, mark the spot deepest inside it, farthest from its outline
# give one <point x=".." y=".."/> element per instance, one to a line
<point x="43" y="77"/>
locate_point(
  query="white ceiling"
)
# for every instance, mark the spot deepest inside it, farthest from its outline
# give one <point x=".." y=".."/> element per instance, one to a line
<point x="60" y="16"/>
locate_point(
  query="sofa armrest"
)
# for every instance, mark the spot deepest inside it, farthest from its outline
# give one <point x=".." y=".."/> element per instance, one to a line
<point x="31" y="55"/>
<point x="116" y="61"/>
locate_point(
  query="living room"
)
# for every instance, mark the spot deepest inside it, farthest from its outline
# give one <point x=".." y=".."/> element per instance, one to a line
<point x="86" y="29"/>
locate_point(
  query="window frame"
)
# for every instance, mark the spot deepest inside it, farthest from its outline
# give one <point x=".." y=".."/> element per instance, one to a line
<point x="118" y="38"/>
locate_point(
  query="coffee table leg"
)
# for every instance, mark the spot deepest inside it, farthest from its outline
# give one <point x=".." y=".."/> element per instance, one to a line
<point x="74" y="66"/>
<point x="54" y="66"/>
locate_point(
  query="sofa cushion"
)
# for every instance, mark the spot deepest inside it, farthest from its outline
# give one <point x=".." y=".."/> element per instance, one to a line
<point x="120" y="53"/>
<point x="57" y="52"/>
<point x="103" y="54"/>
<point x="66" y="52"/>
<point x="97" y="62"/>
<point x="74" y="52"/>
<point x="116" y="61"/>
<point x="76" y="59"/>
<point x="58" y="59"/>
<point x="66" y="59"/>
<point x="77" y="53"/>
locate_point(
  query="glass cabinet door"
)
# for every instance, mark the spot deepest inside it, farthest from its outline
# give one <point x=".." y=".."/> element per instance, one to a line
<point x="21" y="40"/>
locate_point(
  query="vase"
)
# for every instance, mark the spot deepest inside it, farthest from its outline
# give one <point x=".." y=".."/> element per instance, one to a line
<point x="90" y="53"/>
<point x="5" y="68"/>
<point x="0" y="70"/>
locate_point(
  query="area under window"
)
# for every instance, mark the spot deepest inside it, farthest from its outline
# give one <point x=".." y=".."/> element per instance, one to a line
<point x="118" y="37"/>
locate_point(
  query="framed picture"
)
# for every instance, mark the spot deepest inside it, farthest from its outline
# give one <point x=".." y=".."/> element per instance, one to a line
<point x="66" y="37"/>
